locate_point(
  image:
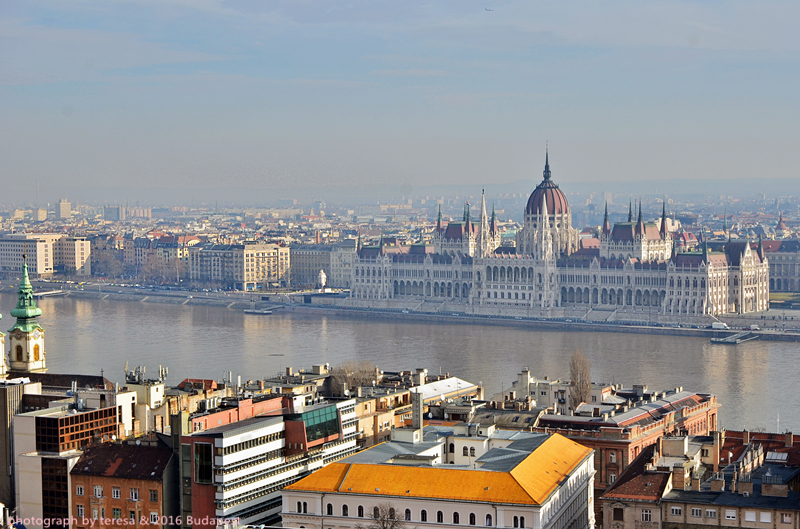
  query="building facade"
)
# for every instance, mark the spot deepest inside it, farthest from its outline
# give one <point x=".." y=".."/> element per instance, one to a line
<point x="636" y="270"/>
<point x="240" y="266"/>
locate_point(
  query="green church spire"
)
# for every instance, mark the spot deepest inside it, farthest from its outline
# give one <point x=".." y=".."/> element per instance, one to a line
<point x="26" y="309"/>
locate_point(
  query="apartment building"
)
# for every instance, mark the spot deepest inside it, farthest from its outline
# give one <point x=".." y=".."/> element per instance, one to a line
<point x="46" y="253"/>
<point x="240" y="266"/>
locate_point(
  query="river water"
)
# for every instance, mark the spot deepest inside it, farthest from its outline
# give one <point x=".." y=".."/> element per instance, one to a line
<point x="755" y="382"/>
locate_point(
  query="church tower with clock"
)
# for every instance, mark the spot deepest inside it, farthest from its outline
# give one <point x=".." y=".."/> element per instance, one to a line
<point x="26" y="338"/>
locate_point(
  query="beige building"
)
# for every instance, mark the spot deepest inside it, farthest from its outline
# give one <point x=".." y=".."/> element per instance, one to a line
<point x="47" y="253"/>
<point x="63" y="209"/>
<point x="784" y="265"/>
<point x="308" y="260"/>
<point x="343" y="255"/>
<point x="72" y="256"/>
<point x="240" y="266"/>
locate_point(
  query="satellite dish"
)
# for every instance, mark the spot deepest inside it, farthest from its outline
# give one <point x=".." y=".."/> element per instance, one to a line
<point x="430" y="415"/>
<point x="446" y="415"/>
<point x="347" y="393"/>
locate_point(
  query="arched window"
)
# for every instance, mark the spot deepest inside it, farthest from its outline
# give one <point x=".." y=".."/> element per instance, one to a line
<point x="360" y="511"/>
<point x="36" y="352"/>
<point x="472" y="514"/>
<point x="299" y="507"/>
<point x="456" y="517"/>
<point x="305" y="508"/>
<point x="439" y="517"/>
<point x="408" y="515"/>
<point x="329" y="509"/>
<point x="612" y="457"/>
<point x="423" y="515"/>
<point x="472" y="451"/>
<point x="391" y="513"/>
<point x="488" y="520"/>
<point x="452" y="448"/>
<point x="19" y="353"/>
<point x="516" y="521"/>
<point x="522" y="521"/>
<point x="466" y="451"/>
<point x="376" y="513"/>
<point x="345" y="510"/>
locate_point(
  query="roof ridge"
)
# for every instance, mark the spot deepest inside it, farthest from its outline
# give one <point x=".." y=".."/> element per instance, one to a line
<point x="339" y="485"/>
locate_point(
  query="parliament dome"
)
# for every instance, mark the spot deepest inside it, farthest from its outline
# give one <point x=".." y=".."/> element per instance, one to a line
<point x="547" y="193"/>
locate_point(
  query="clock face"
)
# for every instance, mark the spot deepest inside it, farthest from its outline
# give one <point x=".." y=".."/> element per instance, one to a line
<point x="36" y="334"/>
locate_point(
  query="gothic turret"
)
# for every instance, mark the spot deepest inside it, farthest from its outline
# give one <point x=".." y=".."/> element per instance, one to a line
<point x="630" y="211"/>
<point x="640" y="230"/>
<point x="26" y="338"/>
<point x="663" y="229"/>
<point x="439" y="219"/>
<point x="606" y="223"/>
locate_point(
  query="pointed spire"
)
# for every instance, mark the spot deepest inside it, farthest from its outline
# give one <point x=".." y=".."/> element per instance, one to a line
<point x="630" y="211"/>
<point x="546" y="163"/>
<point x="640" y="222"/>
<point x="664" y="219"/>
<point x="606" y="223"/>
<point x="358" y="244"/>
<point x="760" y="247"/>
<point x="26" y="309"/>
<point x="493" y="223"/>
<point x="725" y="219"/>
<point x="439" y="219"/>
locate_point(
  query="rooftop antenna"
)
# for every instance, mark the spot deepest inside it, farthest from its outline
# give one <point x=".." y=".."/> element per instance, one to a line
<point x="779" y="423"/>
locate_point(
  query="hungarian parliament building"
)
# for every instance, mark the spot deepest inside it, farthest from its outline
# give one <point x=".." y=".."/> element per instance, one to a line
<point x="637" y="269"/>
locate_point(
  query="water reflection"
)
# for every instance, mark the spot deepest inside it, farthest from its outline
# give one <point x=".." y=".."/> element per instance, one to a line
<point x="754" y="381"/>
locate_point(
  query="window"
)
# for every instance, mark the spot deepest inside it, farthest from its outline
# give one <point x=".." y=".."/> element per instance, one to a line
<point x="711" y="514"/>
<point x="153" y="495"/>
<point x="786" y="517"/>
<point x="730" y="514"/>
<point x="439" y="517"/>
<point x="135" y="494"/>
<point x="391" y="513"/>
<point x="81" y="512"/>
<point x="456" y="518"/>
<point x="329" y="510"/>
<point x="115" y="493"/>
<point x="472" y="518"/>
<point x="299" y="507"/>
<point x="408" y="515"/>
<point x="765" y="517"/>
<point x="305" y="508"/>
<point x="612" y="457"/>
<point x="472" y="451"/>
<point x="423" y="516"/>
<point x="488" y="520"/>
<point x="749" y="516"/>
<point x="516" y="521"/>
<point x="360" y="511"/>
<point x="677" y="511"/>
<point x="202" y="462"/>
<point x="647" y="516"/>
<point x="522" y="521"/>
<point x="376" y="513"/>
<point x="98" y="491"/>
<point x="132" y="516"/>
<point x="153" y="518"/>
<point x="619" y="514"/>
<point x="465" y="451"/>
<point x="345" y="510"/>
<point x="697" y="513"/>
<point x="79" y="490"/>
<point x="452" y="448"/>
<point x="94" y="513"/>
<point x="612" y="477"/>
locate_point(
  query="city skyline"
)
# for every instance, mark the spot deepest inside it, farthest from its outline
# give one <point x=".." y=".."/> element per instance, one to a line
<point x="170" y="96"/>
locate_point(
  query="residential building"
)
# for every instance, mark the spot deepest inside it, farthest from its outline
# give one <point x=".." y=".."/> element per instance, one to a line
<point x="240" y="266"/>
<point x="72" y="256"/>
<point x="307" y="260"/>
<point x="114" y="213"/>
<point x="132" y="483"/>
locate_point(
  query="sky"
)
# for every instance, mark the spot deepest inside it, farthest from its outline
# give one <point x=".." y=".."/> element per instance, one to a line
<point x="265" y="97"/>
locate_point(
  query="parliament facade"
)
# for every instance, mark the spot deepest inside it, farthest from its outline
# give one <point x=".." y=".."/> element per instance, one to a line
<point x="637" y="269"/>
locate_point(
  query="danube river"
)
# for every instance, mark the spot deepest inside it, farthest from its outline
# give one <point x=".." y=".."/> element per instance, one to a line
<point x="754" y="381"/>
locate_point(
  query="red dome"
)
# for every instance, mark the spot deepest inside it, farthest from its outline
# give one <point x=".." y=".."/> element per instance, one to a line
<point x="548" y="192"/>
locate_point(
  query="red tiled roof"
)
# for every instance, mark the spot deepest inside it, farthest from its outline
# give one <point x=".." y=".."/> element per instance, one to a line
<point x="636" y="484"/>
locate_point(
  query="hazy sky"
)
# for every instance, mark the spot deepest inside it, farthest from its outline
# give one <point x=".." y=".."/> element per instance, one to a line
<point x="269" y="94"/>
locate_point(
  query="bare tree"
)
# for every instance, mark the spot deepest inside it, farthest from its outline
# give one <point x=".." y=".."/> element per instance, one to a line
<point x="352" y="374"/>
<point x="384" y="516"/>
<point x="580" y="371"/>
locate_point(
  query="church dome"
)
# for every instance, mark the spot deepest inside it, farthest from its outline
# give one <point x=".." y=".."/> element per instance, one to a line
<point x="549" y="193"/>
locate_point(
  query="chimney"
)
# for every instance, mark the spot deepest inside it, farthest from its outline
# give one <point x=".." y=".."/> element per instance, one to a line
<point x="289" y="371"/>
<point x="596" y="412"/>
<point x="660" y="446"/>
<point x="789" y="439"/>
<point x="746" y="437"/>
<point x="695" y="483"/>
<point x="416" y="411"/>
<point x="678" y="478"/>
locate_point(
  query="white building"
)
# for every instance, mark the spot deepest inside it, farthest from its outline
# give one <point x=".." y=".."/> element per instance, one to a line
<point x="451" y="477"/>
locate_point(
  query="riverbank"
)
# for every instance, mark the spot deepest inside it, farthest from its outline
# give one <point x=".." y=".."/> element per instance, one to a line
<point x="233" y="301"/>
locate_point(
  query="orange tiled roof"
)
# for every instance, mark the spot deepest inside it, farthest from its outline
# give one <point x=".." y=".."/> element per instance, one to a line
<point x="531" y="482"/>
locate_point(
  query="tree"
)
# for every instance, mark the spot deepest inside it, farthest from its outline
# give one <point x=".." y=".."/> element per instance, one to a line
<point x="106" y="264"/>
<point x="580" y="371"/>
<point x="352" y="374"/>
<point x="384" y="516"/>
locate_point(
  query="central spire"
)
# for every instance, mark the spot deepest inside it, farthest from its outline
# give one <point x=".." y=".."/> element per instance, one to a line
<point x="26" y="308"/>
<point x="546" y="163"/>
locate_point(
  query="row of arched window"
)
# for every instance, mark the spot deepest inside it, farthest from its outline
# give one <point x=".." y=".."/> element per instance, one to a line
<point x="466" y="451"/>
<point x="519" y="521"/>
